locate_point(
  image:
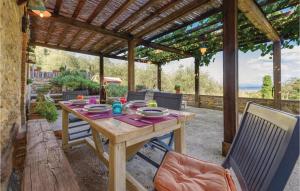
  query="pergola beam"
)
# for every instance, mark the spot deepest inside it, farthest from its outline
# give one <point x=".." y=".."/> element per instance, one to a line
<point x="83" y="51"/>
<point x="118" y="12"/>
<point x="153" y="15"/>
<point x="165" y="48"/>
<point x="87" y="26"/>
<point x="78" y="8"/>
<point x="87" y="40"/>
<point x="257" y="17"/>
<point x="199" y="18"/>
<point x="173" y="16"/>
<point x="119" y="36"/>
<point x="134" y="15"/>
<point x="57" y="7"/>
<point x="97" y="10"/>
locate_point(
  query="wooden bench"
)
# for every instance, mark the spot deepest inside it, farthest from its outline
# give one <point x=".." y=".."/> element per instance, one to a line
<point x="46" y="166"/>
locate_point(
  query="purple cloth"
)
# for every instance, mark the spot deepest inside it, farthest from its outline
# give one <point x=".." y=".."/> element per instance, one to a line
<point x="142" y="122"/>
<point x="73" y="106"/>
<point x="94" y="116"/>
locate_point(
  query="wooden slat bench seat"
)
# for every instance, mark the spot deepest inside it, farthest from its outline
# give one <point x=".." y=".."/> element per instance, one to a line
<point x="46" y="166"/>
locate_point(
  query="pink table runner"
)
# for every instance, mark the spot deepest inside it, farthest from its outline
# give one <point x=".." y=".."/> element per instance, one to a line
<point x="138" y="121"/>
<point x="94" y="116"/>
<point x="72" y="106"/>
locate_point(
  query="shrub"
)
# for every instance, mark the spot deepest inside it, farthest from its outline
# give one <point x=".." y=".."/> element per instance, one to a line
<point x="140" y="87"/>
<point x="29" y="81"/>
<point x="46" y="109"/>
<point x="115" y="90"/>
<point x="177" y="87"/>
<point x="75" y="81"/>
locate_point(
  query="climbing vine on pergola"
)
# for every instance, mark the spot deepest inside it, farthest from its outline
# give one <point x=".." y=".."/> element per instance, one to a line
<point x="283" y="16"/>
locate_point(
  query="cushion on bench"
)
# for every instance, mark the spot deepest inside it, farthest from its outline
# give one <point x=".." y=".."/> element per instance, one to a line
<point x="183" y="173"/>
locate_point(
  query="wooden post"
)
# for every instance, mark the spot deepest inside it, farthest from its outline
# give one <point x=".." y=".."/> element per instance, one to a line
<point x="277" y="74"/>
<point x="230" y="72"/>
<point x="197" y="76"/>
<point x="131" y="45"/>
<point x="101" y="71"/>
<point x="159" y="76"/>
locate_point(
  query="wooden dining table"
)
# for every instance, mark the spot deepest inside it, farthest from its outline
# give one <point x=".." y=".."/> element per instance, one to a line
<point x="125" y="141"/>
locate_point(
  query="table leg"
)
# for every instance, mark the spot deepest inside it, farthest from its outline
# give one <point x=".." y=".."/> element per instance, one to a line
<point x="117" y="166"/>
<point x="179" y="139"/>
<point x="65" y="129"/>
<point x="99" y="148"/>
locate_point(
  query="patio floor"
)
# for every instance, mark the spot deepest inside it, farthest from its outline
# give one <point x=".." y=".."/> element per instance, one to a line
<point x="203" y="138"/>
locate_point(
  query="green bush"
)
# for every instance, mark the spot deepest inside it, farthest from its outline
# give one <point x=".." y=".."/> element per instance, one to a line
<point x="177" y="87"/>
<point x="44" y="89"/>
<point x="46" y="109"/>
<point x="29" y="81"/>
<point x="140" y="87"/>
<point x="75" y="81"/>
<point x="115" y="90"/>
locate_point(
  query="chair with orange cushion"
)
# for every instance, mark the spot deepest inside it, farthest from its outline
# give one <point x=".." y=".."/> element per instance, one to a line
<point x="262" y="156"/>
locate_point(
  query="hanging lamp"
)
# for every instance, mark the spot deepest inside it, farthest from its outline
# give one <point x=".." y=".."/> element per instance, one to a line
<point x="38" y="7"/>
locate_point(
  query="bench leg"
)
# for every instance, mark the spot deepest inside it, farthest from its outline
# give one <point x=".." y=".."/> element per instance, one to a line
<point x="65" y="130"/>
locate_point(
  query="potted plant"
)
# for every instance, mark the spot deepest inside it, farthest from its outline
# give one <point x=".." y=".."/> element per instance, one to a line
<point x="46" y="109"/>
<point x="29" y="81"/>
<point x="177" y="88"/>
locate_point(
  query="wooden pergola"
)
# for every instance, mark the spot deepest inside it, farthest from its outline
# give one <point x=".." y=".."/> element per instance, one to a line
<point x="114" y="29"/>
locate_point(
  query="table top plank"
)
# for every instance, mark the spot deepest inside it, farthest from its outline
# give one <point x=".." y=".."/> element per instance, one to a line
<point x="118" y="131"/>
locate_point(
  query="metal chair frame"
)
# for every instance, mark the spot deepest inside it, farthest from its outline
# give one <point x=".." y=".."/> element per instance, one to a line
<point x="265" y="149"/>
<point x="68" y="95"/>
<point x="131" y="95"/>
<point x="170" y="101"/>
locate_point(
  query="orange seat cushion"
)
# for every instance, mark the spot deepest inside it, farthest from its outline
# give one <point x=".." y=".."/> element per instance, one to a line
<point x="182" y="173"/>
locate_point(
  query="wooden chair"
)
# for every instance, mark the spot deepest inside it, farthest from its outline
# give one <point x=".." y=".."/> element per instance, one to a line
<point x="131" y="95"/>
<point x="262" y="155"/>
<point x="73" y="120"/>
<point x="163" y="143"/>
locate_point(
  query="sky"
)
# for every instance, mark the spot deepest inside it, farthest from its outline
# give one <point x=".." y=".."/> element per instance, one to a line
<point x="252" y="66"/>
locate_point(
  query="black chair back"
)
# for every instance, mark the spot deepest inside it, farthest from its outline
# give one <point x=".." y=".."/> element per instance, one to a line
<point x="168" y="100"/>
<point x="265" y="148"/>
<point x="131" y="95"/>
<point x="68" y="95"/>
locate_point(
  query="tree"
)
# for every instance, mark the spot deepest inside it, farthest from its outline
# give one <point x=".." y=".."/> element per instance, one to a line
<point x="266" y="89"/>
<point x="291" y="89"/>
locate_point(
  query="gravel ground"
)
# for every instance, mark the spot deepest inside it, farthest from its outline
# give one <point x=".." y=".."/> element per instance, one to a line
<point x="203" y="138"/>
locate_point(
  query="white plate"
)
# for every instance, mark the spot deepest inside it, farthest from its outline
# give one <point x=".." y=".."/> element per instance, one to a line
<point x="78" y="102"/>
<point x="152" y="117"/>
<point x="96" y="111"/>
<point x="96" y="108"/>
<point x="137" y="103"/>
<point x="153" y="111"/>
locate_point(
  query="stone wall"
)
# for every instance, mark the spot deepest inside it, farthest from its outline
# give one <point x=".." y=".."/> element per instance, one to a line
<point x="10" y="82"/>
<point x="216" y="102"/>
